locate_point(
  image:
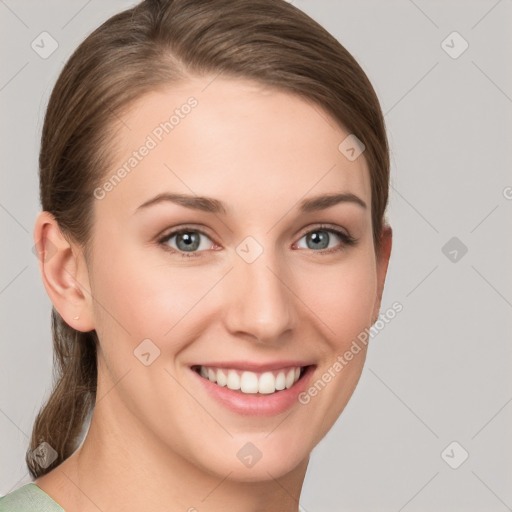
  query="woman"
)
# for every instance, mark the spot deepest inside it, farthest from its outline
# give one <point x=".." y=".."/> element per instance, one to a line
<point x="213" y="179"/>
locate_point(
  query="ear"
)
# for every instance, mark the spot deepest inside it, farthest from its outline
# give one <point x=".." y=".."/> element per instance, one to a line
<point x="382" y="266"/>
<point x="64" y="273"/>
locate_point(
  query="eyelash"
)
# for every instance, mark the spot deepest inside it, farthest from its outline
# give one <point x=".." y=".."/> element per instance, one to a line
<point x="347" y="240"/>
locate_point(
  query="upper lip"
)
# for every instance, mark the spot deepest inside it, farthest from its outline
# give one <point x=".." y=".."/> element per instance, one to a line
<point x="255" y="367"/>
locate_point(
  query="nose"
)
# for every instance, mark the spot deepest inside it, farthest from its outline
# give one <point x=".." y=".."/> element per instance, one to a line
<point x="259" y="299"/>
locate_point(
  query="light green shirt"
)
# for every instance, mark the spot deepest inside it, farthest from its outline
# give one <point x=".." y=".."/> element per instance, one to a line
<point x="28" y="498"/>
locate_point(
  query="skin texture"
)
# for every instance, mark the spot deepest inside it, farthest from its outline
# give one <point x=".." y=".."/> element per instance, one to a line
<point x="157" y="441"/>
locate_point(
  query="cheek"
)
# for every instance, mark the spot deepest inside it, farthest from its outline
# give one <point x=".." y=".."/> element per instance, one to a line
<point x="342" y="296"/>
<point x="140" y="297"/>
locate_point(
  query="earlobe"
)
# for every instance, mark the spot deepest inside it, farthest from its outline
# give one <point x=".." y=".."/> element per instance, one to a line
<point x="64" y="273"/>
<point x="382" y="266"/>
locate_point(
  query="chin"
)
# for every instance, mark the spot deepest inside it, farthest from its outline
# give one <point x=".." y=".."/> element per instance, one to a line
<point x="262" y="459"/>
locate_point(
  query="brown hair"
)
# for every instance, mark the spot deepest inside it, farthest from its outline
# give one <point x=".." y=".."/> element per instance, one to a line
<point x="152" y="45"/>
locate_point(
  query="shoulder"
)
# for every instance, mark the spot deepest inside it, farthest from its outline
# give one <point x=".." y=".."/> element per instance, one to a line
<point x="29" y="498"/>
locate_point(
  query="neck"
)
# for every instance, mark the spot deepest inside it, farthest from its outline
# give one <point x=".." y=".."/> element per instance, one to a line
<point x="120" y="466"/>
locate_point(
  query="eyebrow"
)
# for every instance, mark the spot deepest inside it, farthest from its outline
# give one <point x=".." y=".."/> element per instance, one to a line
<point x="211" y="205"/>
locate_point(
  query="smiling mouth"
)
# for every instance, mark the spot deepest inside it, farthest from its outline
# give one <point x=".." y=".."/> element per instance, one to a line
<point x="252" y="383"/>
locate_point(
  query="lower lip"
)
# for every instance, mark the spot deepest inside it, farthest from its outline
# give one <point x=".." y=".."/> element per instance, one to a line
<point x="257" y="404"/>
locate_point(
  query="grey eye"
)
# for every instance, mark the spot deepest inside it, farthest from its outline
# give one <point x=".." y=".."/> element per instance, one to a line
<point x="187" y="240"/>
<point x="320" y="238"/>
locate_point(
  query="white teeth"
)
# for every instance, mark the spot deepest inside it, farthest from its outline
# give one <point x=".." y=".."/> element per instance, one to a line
<point x="280" y="381"/>
<point x="222" y="378"/>
<point x="290" y="378"/>
<point x="251" y="382"/>
<point x="267" y="383"/>
<point x="233" y="380"/>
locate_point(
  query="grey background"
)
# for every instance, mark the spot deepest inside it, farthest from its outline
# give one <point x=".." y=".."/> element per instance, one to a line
<point x="440" y="371"/>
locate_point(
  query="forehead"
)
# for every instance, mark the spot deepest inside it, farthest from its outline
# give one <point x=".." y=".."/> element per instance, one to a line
<point x="237" y="140"/>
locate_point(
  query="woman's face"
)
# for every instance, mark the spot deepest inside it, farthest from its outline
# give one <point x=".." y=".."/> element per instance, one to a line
<point x="258" y="284"/>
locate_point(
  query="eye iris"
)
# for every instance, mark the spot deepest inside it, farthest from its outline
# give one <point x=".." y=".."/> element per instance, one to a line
<point x="190" y="239"/>
<point x="319" y="237"/>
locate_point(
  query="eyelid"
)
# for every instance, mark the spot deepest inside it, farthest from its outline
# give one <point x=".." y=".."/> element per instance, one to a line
<point x="168" y="234"/>
<point x="330" y="227"/>
<point x="347" y="239"/>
